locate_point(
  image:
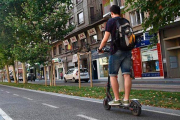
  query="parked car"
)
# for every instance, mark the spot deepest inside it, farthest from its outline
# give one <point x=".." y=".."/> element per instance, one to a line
<point x="31" y="76"/>
<point x="72" y="74"/>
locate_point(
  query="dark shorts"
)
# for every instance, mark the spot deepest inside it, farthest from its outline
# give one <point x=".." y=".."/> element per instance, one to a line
<point x="121" y="59"/>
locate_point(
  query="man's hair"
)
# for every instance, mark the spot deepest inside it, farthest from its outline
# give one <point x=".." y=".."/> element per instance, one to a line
<point x="115" y="9"/>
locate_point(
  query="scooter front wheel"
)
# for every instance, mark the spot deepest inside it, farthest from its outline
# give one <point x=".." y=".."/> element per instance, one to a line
<point x="136" y="108"/>
<point x="105" y="104"/>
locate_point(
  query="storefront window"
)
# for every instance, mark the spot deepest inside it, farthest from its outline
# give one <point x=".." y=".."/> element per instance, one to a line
<point x="83" y="42"/>
<point x="103" y="67"/>
<point x="75" y="46"/>
<point x="94" y="39"/>
<point x="150" y="62"/>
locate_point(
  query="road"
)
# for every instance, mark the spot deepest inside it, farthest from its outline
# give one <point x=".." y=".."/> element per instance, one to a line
<point x="23" y="104"/>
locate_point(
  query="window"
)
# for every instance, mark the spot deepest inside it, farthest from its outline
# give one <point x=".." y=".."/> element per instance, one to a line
<point x="71" y="21"/>
<point x="71" y="5"/>
<point x="80" y="18"/>
<point x="78" y="1"/>
<point x="93" y="39"/>
<point x="83" y="43"/>
<point x="137" y="17"/>
<point x="92" y="12"/>
<point x="103" y="66"/>
<point x="60" y="49"/>
<point x="74" y="45"/>
<point x="66" y="48"/>
<point x="54" y="50"/>
<point x="150" y="62"/>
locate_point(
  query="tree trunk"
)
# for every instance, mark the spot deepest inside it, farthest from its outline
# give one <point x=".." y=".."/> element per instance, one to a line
<point x="51" y="77"/>
<point x="54" y="75"/>
<point x="24" y="73"/>
<point x="45" y="77"/>
<point x="3" y="75"/>
<point x="7" y="73"/>
<point x="17" y="74"/>
<point x="14" y="74"/>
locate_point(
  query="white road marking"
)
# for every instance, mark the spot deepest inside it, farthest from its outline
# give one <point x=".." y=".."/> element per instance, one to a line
<point x="161" y="112"/>
<point x="7" y="92"/>
<point x="86" y="99"/>
<point x="86" y="117"/>
<point x="15" y="94"/>
<point x="4" y="115"/>
<point x="50" y="105"/>
<point x="27" y="98"/>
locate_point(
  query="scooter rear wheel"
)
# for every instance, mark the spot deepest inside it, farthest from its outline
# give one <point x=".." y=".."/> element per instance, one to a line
<point x="105" y="104"/>
<point x="136" y="108"/>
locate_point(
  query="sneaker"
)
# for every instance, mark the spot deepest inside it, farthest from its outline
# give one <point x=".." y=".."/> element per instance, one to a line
<point x="125" y="102"/>
<point x="114" y="102"/>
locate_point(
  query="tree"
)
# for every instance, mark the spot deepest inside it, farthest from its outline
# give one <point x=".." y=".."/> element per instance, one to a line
<point x="7" y="39"/>
<point x="39" y="23"/>
<point x="161" y="12"/>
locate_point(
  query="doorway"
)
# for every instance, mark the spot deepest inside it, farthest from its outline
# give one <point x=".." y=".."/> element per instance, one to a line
<point x="95" y="72"/>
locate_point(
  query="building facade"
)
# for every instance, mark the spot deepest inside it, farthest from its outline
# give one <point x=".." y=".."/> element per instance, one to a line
<point x="90" y="17"/>
<point x="170" y="42"/>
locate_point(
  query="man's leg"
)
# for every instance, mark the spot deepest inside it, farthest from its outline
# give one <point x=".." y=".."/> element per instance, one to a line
<point x="127" y="86"/>
<point x="115" y="86"/>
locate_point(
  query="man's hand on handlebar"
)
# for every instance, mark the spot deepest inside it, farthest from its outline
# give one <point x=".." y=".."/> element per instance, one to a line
<point x="100" y="50"/>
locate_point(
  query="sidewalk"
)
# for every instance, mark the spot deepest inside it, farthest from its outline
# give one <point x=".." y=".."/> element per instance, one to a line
<point x="150" y="81"/>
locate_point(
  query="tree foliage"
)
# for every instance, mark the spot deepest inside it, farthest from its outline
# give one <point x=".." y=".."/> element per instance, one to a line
<point x="38" y="23"/>
<point x="161" y="12"/>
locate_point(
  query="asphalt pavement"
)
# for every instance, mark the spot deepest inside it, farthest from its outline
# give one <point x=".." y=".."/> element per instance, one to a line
<point x="25" y="104"/>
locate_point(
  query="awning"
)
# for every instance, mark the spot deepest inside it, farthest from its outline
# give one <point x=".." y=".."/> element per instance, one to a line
<point x="91" y="31"/>
<point x="82" y="36"/>
<point x="73" y="39"/>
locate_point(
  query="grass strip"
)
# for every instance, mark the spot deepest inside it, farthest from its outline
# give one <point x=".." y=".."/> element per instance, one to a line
<point x="146" y="97"/>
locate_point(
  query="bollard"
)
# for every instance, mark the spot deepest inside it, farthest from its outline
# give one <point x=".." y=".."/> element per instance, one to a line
<point x="120" y="81"/>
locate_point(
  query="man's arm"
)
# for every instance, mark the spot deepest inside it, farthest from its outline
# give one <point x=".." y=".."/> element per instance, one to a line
<point x="105" y="39"/>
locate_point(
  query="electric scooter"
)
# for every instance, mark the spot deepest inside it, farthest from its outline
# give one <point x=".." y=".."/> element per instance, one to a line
<point x="134" y="104"/>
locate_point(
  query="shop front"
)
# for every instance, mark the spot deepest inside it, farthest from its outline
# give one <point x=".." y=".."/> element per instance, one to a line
<point x="99" y="65"/>
<point x="147" y="61"/>
<point x="59" y="69"/>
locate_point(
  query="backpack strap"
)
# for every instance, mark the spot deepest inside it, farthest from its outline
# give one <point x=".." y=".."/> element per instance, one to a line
<point x="117" y="28"/>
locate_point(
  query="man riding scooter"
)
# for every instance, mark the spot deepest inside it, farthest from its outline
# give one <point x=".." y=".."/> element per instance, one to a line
<point x="118" y="59"/>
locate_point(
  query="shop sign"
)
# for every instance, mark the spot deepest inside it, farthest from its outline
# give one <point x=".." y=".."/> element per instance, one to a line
<point x="75" y="58"/>
<point x="66" y="42"/>
<point x="150" y="74"/>
<point x="147" y="36"/>
<point x="60" y="65"/>
<point x="136" y="56"/>
<point x="160" y="59"/>
<point x="73" y="39"/>
<point x="82" y="36"/>
<point x="57" y="60"/>
<point x="102" y="27"/>
<point x="144" y="40"/>
<point x="92" y="32"/>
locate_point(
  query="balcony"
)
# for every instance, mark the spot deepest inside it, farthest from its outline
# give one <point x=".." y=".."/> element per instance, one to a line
<point x="96" y="17"/>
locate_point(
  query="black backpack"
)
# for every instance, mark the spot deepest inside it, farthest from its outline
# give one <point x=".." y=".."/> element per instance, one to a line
<point x="124" y="39"/>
